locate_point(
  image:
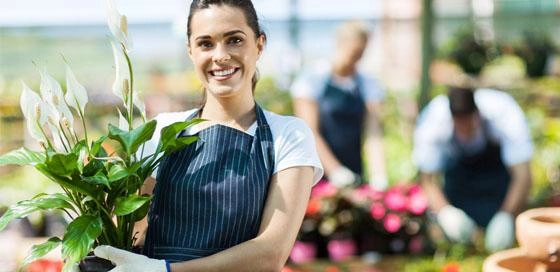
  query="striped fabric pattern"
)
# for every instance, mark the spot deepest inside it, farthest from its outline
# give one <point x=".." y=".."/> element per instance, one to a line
<point x="210" y="195"/>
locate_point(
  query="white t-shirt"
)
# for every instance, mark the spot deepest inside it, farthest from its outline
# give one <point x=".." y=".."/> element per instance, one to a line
<point x="506" y="124"/>
<point x="311" y="85"/>
<point x="294" y="144"/>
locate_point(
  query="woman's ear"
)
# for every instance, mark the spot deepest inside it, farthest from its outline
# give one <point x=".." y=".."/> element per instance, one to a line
<point x="189" y="49"/>
<point x="261" y="40"/>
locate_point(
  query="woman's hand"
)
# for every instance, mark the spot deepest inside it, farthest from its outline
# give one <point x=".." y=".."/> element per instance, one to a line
<point x="128" y="261"/>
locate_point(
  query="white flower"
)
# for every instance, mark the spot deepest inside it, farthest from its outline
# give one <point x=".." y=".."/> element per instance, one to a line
<point x="118" y="25"/>
<point x="122" y="77"/>
<point x="51" y="92"/>
<point x="123" y="123"/>
<point x="76" y="94"/>
<point x="139" y="104"/>
<point x="33" y="110"/>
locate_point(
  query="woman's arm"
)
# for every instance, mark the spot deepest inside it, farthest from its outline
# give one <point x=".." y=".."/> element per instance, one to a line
<point x="374" y="147"/>
<point x="141" y="226"/>
<point x="282" y="216"/>
<point x="308" y="110"/>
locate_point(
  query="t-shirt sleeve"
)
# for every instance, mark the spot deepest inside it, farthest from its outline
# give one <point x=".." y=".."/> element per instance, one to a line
<point x="510" y="125"/>
<point x="431" y="136"/>
<point x="372" y="90"/>
<point x="294" y="145"/>
<point x="308" y="86"/>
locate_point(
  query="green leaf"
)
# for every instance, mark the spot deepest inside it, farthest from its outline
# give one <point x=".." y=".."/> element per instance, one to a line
<point x="63" y="164"/>
<point x="141" y="212"/>
<point x="97" y="148"/>
<point x="131" y="140"/>
<point x="93" y="167"/>
<point x="22" y="156"/>
<point x="169" y="142"/>
<point x="40" y="202"/>
<point x="80" y="187"/>
<point x="117" y="172"/>
<point x="38" y="251"/>
<point x="98" y="178"/>
<point x="129" y="204"/>
<point x="80" y="149"/>
<point x="79" y="238"/>
<point x="179" y="143"/>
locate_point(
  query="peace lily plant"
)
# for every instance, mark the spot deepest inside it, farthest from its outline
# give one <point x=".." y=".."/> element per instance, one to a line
<point x="100" y="190"/>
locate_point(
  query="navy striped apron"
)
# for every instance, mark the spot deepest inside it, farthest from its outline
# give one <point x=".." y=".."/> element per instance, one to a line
<point x="341" y="121"/>
<point x="477" y="184"/>
<point x="210" y="195"/>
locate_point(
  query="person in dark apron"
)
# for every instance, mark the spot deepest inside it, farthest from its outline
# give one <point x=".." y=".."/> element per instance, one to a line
<point x="223" y="203"/>
<point x="480" y="189"/>
<point x="343" y="110"/>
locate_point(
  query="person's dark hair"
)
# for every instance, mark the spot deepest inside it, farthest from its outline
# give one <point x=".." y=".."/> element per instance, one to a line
<point x="244" y="5"/>
<point x="461" y="101"/>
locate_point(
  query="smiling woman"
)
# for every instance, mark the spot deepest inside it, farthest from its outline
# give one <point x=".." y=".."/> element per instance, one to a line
<point x="235" y="199"/>
<point x="225" y="52"/>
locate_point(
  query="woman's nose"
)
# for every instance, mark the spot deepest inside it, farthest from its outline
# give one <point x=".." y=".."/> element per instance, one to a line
<point x="221" y="54"/>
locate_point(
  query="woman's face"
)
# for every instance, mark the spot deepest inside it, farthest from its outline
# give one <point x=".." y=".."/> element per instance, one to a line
<point x="224" y="50"/>
<point x="350" y="48"/>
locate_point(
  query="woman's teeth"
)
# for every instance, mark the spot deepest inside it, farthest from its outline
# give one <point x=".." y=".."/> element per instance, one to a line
<point x="224" y="72"/>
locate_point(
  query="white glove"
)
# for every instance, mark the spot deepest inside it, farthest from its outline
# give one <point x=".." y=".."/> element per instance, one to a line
<point x="499" y="233"/>
<point x="456" y="224"/>
<point x="342" y="176"/>
<point x="379" y="182"/>
<point x="127" y="261"/>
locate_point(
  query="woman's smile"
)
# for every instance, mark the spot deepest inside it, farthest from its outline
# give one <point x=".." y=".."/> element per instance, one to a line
<point x="223" y="74"/>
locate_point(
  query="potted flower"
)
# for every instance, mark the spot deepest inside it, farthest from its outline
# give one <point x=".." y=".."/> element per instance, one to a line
<point x="328" y="226"/>
<point x="535" y="50"/>
<point x="100" y="190"/>
<point x="392" y="219"/>
<point x="469" y="51"/>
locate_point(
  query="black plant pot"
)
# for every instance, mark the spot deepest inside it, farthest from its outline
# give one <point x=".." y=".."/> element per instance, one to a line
<point x="95" y="264"/>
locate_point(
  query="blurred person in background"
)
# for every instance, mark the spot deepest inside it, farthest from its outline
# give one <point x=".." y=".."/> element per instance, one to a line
<point x="479" y="143"/>
<point x="343" y="107"/>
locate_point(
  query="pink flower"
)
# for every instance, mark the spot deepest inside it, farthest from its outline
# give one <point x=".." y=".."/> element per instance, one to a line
<point x="303" y="252"/>
<point x="377" y="211"/>
<point x="341" y="249"/>
<point x="392" y="223"/>
<point x="417" y="203"/>
<point x="362" y="193"/>
<point x="415" y="189"/>
<point x="323" y="189"/>
<point x="395" y="200"/>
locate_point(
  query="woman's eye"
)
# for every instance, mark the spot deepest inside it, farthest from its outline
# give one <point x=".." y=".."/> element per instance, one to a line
<point x="235" y="40"/>
<point x="205" y="44"/>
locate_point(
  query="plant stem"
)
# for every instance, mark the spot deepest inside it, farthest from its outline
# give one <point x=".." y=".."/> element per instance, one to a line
<point x="131" y="91"/>
<point x="45" y="134"/>
<point x="85" y="129"/>
<point x="63" y="144"/>
<point x="65" y="136"/>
